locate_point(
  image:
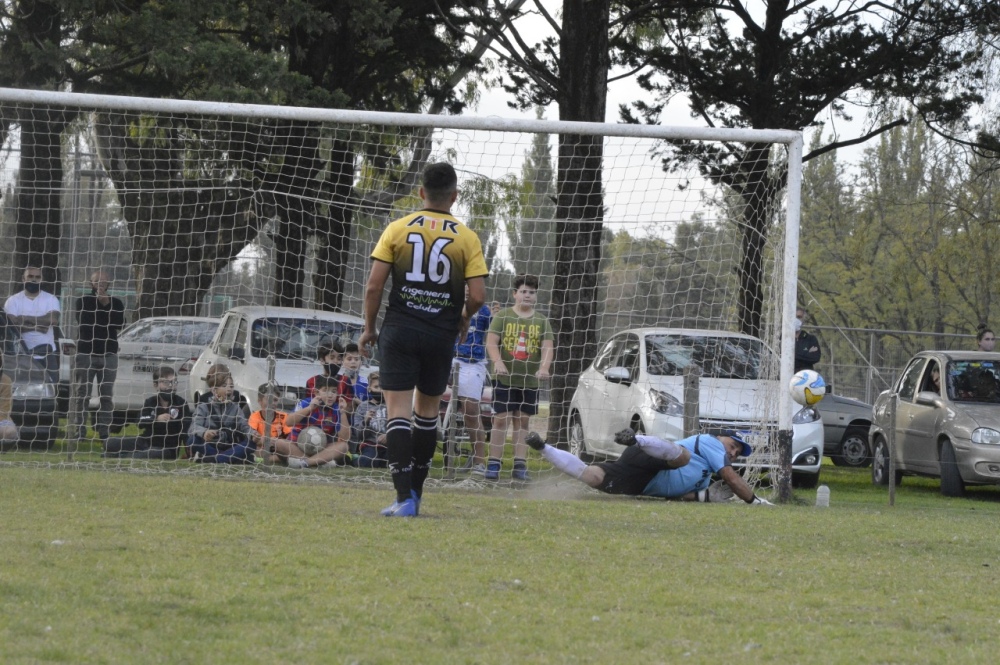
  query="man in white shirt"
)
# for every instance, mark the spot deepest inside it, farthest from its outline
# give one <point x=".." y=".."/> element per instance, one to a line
<point x="35" y="313"/>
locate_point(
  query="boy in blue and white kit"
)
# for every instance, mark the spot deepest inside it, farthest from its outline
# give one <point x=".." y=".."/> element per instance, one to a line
<point x="651" y="466"/>
<point x="470" y="363"/>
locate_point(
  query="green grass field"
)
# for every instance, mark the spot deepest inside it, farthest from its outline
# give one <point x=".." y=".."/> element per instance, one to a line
<point x="132" y="568"/>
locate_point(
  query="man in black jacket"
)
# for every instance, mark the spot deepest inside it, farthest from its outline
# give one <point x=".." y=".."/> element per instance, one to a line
<point x="163" y="421"/>
<point x="101" y="317"/>
<point x="807" y="352"/>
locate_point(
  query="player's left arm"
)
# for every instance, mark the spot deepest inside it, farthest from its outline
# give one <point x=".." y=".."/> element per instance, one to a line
<point x="548" y="353"/>
<point x="736" y="483"/>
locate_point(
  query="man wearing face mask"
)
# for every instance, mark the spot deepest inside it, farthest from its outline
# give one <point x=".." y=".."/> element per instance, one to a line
<point x="101" y="317"/>
<point x="34" y="313"/>
<point x="163" y="423"/>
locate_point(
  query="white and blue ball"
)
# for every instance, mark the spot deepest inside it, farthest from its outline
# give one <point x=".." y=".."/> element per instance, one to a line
<point x="311" y="440"/>
<point x="807" y="387"/>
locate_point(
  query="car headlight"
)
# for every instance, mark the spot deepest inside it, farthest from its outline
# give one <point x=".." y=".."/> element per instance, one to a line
<point x="986" y="435"/>
<point x="33" y="390"/>
<point x="805" y="415"/>
<point x="666" y="403"/>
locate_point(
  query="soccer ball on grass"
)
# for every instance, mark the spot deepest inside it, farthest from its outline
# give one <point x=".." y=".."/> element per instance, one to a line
<point x="311" y="440"/>
<point x="807" y="387"/>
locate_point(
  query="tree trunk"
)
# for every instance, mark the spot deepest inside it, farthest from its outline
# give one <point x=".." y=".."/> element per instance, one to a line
<point x="334" y="241"/>
<point x="584" y="63"/>
<point x="183" y="230"/>
<point x="38" y="228"/>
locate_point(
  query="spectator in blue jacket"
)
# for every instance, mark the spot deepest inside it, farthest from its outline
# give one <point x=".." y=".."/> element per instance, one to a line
<point x="472" y="367"/>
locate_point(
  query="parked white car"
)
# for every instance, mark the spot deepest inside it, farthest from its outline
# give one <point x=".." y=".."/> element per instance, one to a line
<point x="637" y="380"/>
<point x="148" y="343"/>
<point x="248" y="335"/>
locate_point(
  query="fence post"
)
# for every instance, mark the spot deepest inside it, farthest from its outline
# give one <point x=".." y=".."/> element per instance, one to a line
<point x="692" y="400"/>
<point x="892" y="452"/>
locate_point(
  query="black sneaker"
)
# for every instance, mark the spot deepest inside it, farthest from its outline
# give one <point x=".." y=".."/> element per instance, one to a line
<point x="534" y="439"/>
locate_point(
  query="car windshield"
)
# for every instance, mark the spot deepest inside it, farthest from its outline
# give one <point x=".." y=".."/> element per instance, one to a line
<point x="194" y="333"/>
<point x="718" y="357"/>
<point x="974" y="381"/>
<point x="289" y="338"/>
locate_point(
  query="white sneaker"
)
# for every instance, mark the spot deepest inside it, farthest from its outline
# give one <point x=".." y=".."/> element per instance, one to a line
<point x="479" y="469"/>
<point x="297" y="463"/>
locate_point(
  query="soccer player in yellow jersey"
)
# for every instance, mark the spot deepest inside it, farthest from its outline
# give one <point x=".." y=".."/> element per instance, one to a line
<point x="432" y="257"/>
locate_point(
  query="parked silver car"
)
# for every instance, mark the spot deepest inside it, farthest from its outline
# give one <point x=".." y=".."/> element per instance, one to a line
<point x="846" y="423"/>
<point x="945" y="413"/>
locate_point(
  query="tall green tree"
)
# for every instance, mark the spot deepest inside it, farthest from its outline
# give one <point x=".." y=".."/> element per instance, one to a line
<point x="786" y="65"/>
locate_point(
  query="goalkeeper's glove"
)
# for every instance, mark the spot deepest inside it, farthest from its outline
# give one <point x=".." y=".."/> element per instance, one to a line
<point x="625" y="437"/>
<point x="757" y="501"/>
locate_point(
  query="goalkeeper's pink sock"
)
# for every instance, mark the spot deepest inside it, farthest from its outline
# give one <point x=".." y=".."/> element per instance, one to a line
<point x="565" y="461"/>
<point x="656" y="447"/>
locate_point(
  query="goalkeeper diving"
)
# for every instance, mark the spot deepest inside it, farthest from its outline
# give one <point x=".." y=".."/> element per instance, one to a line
<point x="651" y="466"/>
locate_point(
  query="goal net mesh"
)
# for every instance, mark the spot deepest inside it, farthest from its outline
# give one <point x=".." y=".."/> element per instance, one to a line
<point x="209" y="220"/>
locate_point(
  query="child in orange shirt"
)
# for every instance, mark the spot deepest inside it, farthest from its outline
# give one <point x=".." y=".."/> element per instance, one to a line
<point x="267" y="398"/>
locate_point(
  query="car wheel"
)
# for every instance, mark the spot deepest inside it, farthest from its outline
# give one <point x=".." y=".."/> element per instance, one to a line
<point x="575" y="438"/>
<point x="805" y="481"/>
<point x="854" y="450"/>
<point x="880" y="464"/>
<point x="951" y="479"/>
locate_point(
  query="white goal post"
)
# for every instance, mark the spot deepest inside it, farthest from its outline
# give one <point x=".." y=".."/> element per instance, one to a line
<point x="196" y="208"/>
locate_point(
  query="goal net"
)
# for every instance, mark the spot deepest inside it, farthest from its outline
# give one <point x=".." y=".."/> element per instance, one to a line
<point x="240" y="235"/>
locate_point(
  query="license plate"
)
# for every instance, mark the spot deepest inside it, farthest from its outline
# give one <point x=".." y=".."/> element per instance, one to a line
<point x="142" y="367"/>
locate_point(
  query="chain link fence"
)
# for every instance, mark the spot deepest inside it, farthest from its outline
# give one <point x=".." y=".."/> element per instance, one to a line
<point x="862" y="362"/>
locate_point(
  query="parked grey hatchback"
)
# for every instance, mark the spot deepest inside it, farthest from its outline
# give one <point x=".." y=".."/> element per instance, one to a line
<point x="945" y="413"/>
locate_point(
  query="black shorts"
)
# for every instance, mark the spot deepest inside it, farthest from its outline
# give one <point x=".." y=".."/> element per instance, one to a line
<point x="630" y="473"/>
<point x="507" y="399"/>
<point x="412" y="358"/>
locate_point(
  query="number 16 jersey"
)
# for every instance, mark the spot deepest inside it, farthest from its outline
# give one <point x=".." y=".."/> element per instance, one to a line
<point x="432" y="255"/>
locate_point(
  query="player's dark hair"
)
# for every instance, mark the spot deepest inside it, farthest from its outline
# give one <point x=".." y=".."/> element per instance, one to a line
<point x="328" y="346"/>
<point x="440" y="181"/>
<point x="162" y="372"/>
<point x="323" y="381"/>
<point x="351" y="347"/>
<point x="981" y="330"/>
<point x="531" y="281"/>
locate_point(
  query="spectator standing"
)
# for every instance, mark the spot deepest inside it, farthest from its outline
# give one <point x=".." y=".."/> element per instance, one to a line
<point x="100" y="317"/>
<point x="520" y="346"/>
<point x="163" y="423"/>
<point x="35" y="314"/>
<point x="807" y="352"/>
<point x="471" y="365"/>
<point x="431" y="257"/>
<point x="986" y="339"/>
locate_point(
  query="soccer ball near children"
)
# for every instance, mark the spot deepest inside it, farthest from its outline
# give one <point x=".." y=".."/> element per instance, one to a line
<point x="807" y="387"/>
<point x="311" y="440"/>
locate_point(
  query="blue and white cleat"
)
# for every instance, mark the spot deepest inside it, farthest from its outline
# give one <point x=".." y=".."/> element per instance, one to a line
<point x="408" y="508"/>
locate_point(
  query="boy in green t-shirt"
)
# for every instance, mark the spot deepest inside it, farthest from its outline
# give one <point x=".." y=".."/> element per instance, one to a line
<point x="519" y="344"/>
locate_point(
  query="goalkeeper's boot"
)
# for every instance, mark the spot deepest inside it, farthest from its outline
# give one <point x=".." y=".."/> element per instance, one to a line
<point x="534" y="439"/>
